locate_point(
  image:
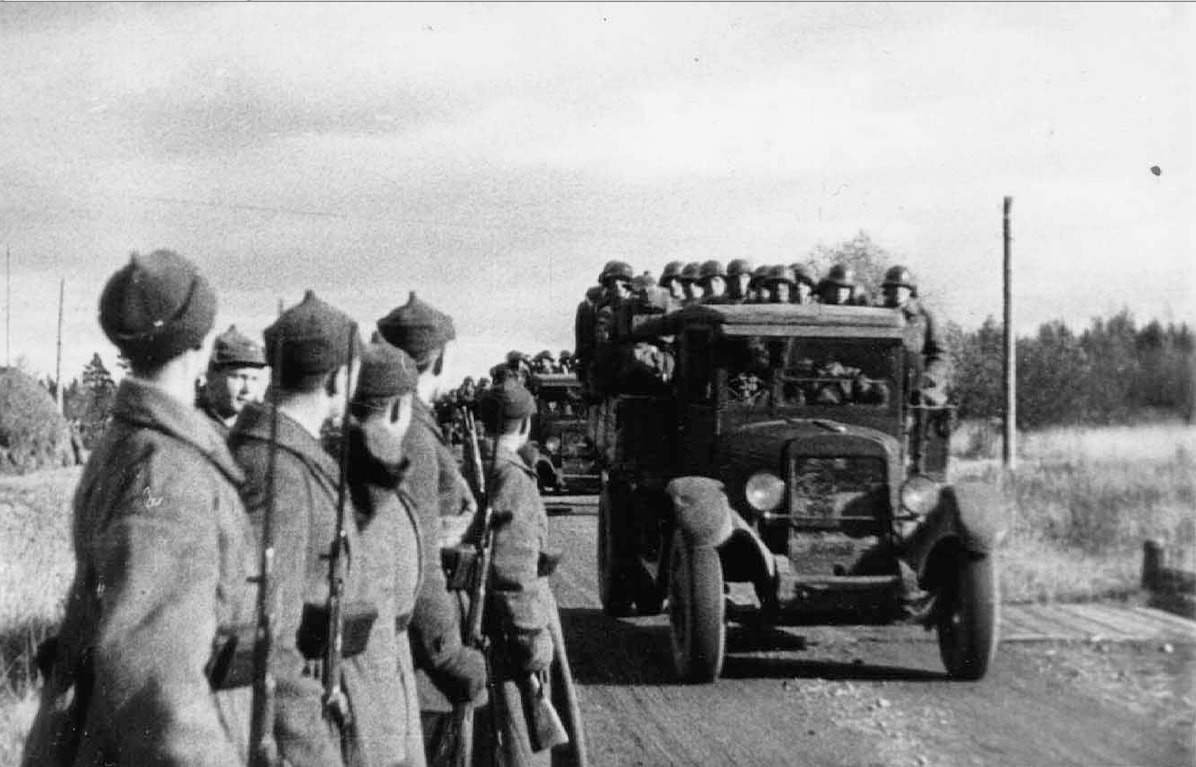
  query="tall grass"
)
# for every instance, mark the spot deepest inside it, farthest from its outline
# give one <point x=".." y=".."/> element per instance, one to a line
<point x="36" y="567"/>
<point x="1083" y="500"/>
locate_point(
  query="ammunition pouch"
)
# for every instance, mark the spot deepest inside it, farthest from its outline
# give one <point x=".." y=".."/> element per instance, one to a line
<point x="357" y="620"/>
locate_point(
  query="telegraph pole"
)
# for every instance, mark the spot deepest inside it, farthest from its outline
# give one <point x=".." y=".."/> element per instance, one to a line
<point x="7" y="306"/>
<point x="58" y="362"/>
<point x="1010" y="348"/>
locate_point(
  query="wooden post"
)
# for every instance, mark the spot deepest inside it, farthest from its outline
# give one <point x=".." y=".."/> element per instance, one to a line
<point x="1010" y="442"/>
<point x="58" y="398"/>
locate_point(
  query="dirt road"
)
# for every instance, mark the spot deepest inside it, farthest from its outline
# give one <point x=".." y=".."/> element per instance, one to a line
<point x="872" y="696"/>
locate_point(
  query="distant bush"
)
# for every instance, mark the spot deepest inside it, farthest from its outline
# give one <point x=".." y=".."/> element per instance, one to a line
<point x="33" y="435"/>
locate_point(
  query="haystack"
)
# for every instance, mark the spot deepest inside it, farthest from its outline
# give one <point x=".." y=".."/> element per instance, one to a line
<point x="33" y="434"/>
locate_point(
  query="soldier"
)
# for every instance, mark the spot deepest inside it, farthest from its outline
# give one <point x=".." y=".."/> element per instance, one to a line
<point x="234" y="378"/>
<point x="779" y="284"/>
<point x="739" y="277"/>
<point x="543" y="362"/>
<point x="900" y="291"/>
<point x="448" y="672"/>
<point x="584" y="321"/>
<point x="712" y="278"/>
<point x="670" y="280"/>
<point x="521" y="622"/>
<point x="803" y="291"/>
<point x="757" y="294"/>
<point x="163" y="553"/>
<point x="382" y="406"/>
<point x="689" y="282"/>
<point x="838" y="286"/>
<point x="565" y="361"/>
<point x="311" y="343"/>
<point x="519" y="365"/>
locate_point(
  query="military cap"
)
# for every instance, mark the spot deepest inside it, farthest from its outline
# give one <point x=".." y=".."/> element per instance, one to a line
<point x="156" y="307"/>
<point x="507" y="401"/>
<point x="841" y="276"/>
<point x="616" y="270"/>
<point x="386" y="371"/>
<point x="309" y="338"/>
<point x="233" y="348"/>
<point x="779" y="273"/>
<point x="739" y="266"/>
<point x="711" y="268"/>
<point x="803" y="273"/>
<point x="899" y="276"/>
<point x="690" y="272"/>
<point x="417" y="328"/>
<point x="672" y="271"/>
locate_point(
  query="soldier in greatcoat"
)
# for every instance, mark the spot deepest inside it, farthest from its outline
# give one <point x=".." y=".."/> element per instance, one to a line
<point x="924" y="342"/>
<point x="521" y="620"/>
<point x="448" y="672"/>
<point x="311" y="344"/>
<point x="234" y="378"/>
<point x="163" y="554"/>
<point x="381" y="411"/>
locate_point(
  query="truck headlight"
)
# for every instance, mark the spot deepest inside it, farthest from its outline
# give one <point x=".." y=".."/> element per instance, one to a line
<point x="919" y="495"/>
<point x="764" y="491"/>
<point x="552" y="444"/>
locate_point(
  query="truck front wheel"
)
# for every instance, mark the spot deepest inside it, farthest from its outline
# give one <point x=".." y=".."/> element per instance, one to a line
<point x="968" y="621"/>
<point x="696" y="610"/>
<point x="616" y="556"/>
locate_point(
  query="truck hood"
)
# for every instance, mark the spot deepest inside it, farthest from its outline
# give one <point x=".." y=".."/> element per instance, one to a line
<point x="761" y="445"/>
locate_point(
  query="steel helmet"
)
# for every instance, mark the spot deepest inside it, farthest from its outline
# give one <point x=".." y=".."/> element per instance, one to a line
<point x="841" y="276"/>
<point x="758" y="275"/>
<point x="690" y="272"/>
<point x="779" y="273"/>
<point x="672" y="271"/>
<point x="899" y="276"/>
<point x="802" y="273"/>
<point x="616" y="270"/>
<point x="711" y="268"/>
<point x="739" y="266"/>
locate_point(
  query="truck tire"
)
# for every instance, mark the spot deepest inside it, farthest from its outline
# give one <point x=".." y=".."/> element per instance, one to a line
<point x="696" y="610"/>
<point x="616" y="556"/>
<point x="967" y="626"/>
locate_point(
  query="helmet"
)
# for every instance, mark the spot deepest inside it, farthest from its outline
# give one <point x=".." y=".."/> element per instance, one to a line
<point x="642" y="282"/>
<point x="690" y="272"/>
<point x="758" y="275"/>
<point x="901" y="277"/>
<point x="616" y="270"/>
<point x="710" y="269"/>
<point x="778" y="273"/>
<point x="841" y="276"/>
<point x="565" y="355"/>
<point x="739" y="266"/>
<point x="544" y="355"/>
<point x="515" y="357"/>
<point x="802" y="273"/>
<point x="672" y="270"/>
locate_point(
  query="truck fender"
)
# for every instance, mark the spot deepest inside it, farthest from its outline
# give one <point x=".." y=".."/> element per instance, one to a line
<point x="701" y="510"/>
<point x="971" y="513"/>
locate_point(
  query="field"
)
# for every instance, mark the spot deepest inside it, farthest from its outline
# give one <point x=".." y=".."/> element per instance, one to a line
<point x="1083" y="502"/>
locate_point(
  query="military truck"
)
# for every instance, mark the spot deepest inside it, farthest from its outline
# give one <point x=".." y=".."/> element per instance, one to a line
<point x="561" y="433"/>
<point x="785" y="458"/>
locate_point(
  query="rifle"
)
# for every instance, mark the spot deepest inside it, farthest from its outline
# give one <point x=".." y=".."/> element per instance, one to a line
<point x="263" y="751"/>
<point x="335" y="706"/>
<point x="456" y="748"/>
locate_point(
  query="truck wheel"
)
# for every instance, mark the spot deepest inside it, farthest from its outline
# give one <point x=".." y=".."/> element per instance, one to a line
<point x="967" y="625"/>
<point x="696" y="610"/>
<point x="649" y="597"/>
<point x="615" y="553"/>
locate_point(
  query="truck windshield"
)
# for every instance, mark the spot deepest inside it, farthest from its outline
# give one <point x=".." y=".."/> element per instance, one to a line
<point x="799" y="372"/>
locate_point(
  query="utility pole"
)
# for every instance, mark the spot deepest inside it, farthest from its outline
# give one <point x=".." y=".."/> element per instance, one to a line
<point x="58" y="398"/>
<point x="1010" y="347"/>
<point x="7" y="307"/>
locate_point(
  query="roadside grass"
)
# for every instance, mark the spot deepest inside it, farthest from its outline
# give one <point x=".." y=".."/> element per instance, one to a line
<point x="1083" y="500"/>
<point x="36" y="567"/>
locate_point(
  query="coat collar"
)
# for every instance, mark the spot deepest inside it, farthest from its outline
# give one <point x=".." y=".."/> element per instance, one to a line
<point x="141" y="403"/>
<point x="254" y="423"/>
<point x="423" y="414"/>
<point x="506" y="455"/>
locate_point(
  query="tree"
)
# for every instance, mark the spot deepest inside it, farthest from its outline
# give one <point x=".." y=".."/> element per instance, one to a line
<point x="865" y="257"/>
<point x="91" y="404"/>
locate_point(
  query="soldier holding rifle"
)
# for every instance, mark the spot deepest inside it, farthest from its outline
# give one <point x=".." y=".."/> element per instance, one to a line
<point x="329" y="708"/>
<point x="163" y="553"/>
<point x="448" y="672"/>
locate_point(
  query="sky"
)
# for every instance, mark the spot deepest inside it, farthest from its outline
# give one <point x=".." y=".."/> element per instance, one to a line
<point x="493" y="157"/>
